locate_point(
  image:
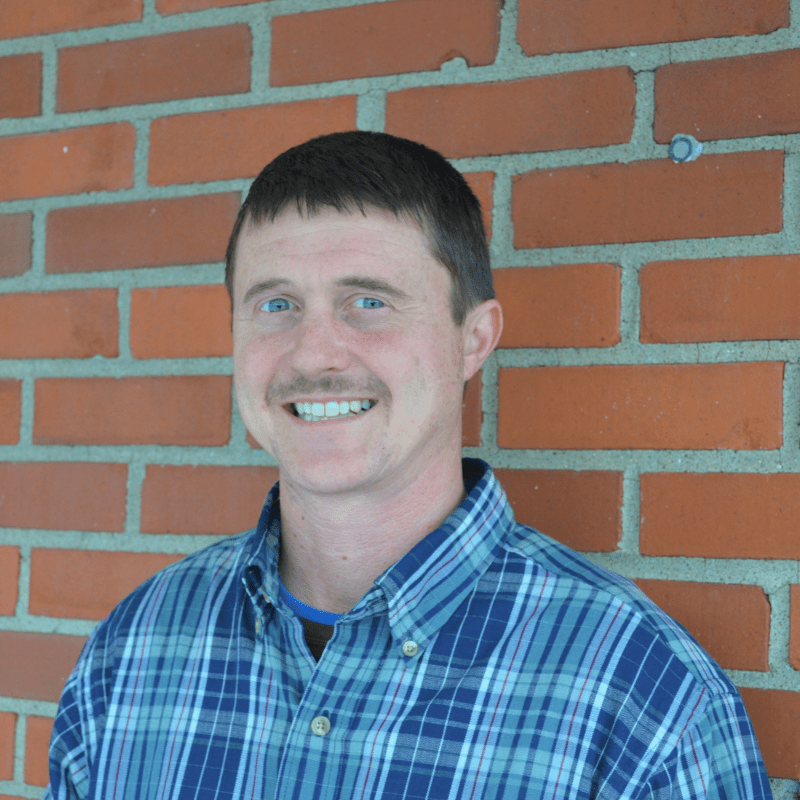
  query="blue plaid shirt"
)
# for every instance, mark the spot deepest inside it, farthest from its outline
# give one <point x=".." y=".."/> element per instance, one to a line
<point x="489" y="662"/>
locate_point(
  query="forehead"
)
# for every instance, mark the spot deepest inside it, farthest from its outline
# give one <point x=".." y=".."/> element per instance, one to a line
<point x="376" y="241"/>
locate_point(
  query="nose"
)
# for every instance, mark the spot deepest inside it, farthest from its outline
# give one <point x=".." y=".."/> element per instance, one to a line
<point x="320" y="345"/>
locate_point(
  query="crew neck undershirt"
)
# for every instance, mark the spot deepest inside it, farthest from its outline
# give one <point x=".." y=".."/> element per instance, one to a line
<point x="317" y="624"/>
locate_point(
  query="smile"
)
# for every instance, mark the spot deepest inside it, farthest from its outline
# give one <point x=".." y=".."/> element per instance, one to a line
<point x="315" y="411"/>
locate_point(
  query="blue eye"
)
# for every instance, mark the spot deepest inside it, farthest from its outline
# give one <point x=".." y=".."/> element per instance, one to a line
<point x="277" y="304"/>
<point x="368" y="302"/>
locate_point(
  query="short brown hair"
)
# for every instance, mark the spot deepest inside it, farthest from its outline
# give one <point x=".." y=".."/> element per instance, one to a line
<point x="362" y="170"/>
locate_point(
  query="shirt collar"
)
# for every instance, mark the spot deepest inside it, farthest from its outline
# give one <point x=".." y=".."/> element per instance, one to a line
<point x="423" y="589"/>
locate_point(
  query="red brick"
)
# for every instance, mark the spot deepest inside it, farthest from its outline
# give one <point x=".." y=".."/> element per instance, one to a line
<point x="554" y="112"/>
<point x="145" y="233"/>
<point x="726" y="98"/>
<point x="720" y="299"/>
<point x="576" y="305"/>
<point x="382" y="39"/>
<point x="32" y="17"/>
<point x="37" y="744"/>
<point x="87" y="584"/>
<point x="16" y="238"/>
<point x="482" y="185"/>
<point x="794" y="628"/>
<point x="173" y="66"/>
<point x="69" y="324"/>
<point x="686" y="406"/>
<point x="472" y="409"/>
<point x="8" y="724"/>
<point x="178" y="6"/>
<point x="776" y="718"/>
<point x="574" y="25"/>
<point x="203" y="500"/>
<point x="717" y="515"/>
<point x="580" y="509"/>
<point x="63" y="496"/>
<point x="169" y="410"/>
<point x="71" y="161"/>
<point x="218" y="145"/>
<point x="36" y="665"/>
<point x="730" y="621"/>
<point x="10" y="409"/>
<point x="180" y="322"/>
<point x="21" y="85"/>
<point x="9" y="580"/>
<point x="732" y="194"/>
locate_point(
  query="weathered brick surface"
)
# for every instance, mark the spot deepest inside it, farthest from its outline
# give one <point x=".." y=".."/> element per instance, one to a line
<point x="32" y="17"/>
<point x="401" y="36"/>
<point x="720" y="515"/>
<point x="8" y="724"/>
<point x="63" y="496"/>
<point x="71" y="161"/>
<point x="730" y="194"/>
<point x="720" y="299"/>
<point x="70" y="324"/>
<point x="15" y="243"/>
<point x="580" y="509"/>
<point x="776" y="718"/>
<point x="730" y="621"/>
<point x="217" y="145"/>
<point x="725" y="98"/>
<point x="87" y="584"/>
<point x="145" y="233"/>
<point x="203" y="499"/>
<point x="794" y="627"/>
<point x="37" y="740"/>
<point x="196" y="63"/>
<point x="9" y="580"/>
<point x="181" y="410"/>
<point x="180" y="322"/>
<point x="576" y="305"/>
<point x="36" y="665"/>
<point x="21" y="85"/>
<point x="178" y="6"/>
<point x="573" y="25"/>
<point x="571" y="110"/>
<point x="692" y="406"/>
<point x="10" y="406"/>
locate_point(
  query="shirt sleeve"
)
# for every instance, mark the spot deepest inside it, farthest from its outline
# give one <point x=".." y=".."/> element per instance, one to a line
<point x="717" y="757"/>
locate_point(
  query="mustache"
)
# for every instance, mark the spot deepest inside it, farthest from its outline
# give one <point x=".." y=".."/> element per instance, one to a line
<point x="372" y="387"/>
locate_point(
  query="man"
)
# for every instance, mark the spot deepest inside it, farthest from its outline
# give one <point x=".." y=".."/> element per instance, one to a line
<point x="387" y="630"/>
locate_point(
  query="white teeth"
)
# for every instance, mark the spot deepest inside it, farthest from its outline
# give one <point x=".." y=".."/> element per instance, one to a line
<point x="320" y="412"/>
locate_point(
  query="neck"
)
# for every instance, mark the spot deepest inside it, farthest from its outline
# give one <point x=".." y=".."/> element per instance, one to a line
<point x="333" y="547"/>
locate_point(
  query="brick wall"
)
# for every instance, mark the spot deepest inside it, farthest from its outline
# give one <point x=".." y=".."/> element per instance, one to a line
<point x="644" y="406"/>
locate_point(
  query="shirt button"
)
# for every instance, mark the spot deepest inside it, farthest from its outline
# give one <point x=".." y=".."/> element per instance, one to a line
<point x="320" y="726"/>
<point x="410" y="648"/>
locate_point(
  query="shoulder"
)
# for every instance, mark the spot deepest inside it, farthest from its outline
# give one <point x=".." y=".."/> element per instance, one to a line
<point x="595" y="592"/>
<point x="176" y="599"/>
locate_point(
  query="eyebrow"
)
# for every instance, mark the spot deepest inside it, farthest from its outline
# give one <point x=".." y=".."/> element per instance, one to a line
<point x="351" y="281"/>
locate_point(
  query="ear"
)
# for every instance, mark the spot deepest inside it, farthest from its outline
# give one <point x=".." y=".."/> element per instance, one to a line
<point x="482" y="329"/>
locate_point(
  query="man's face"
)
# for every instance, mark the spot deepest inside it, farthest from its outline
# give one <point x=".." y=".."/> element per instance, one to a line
<point x="347" y="316"/>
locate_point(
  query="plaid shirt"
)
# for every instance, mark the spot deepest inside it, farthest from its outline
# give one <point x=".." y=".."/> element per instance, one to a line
<point x="489" y="662"/>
